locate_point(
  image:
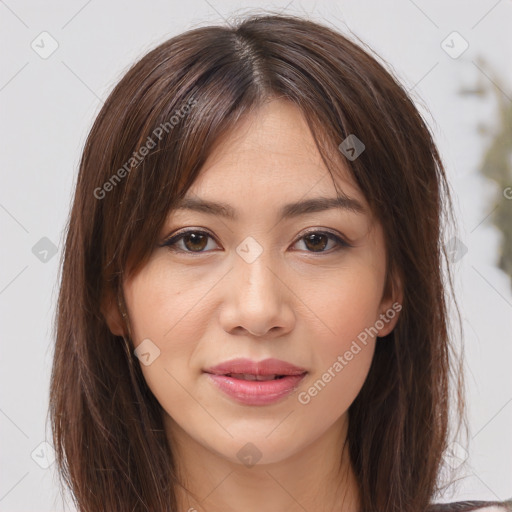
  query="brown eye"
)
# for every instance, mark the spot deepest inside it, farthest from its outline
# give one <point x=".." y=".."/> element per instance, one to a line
<point x="195" y="241"/>
<point x="191" y="241"/>
<point x="317" y="241"/>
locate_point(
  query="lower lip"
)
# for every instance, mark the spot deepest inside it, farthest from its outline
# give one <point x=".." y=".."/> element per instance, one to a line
<point x="256" y="392"/>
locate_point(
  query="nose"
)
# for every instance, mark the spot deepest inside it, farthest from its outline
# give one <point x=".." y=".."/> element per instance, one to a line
<point x="257" y="301"/>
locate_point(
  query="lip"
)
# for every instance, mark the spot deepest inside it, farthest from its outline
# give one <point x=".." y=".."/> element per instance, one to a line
<point x="256" y="392"/>
<point x="266" y="367"/>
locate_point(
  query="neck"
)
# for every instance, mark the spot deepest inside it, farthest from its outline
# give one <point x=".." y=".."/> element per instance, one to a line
<point x="317" y="478"/>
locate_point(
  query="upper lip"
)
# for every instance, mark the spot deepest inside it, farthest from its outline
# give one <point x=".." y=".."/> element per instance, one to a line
<point x="250" y="367"/>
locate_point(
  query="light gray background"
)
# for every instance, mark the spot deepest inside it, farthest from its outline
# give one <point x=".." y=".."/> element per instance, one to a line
<point x="47" y="109"/>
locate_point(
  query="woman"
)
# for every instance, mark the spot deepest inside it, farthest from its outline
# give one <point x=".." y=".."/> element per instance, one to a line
<point x="252" y="313"/>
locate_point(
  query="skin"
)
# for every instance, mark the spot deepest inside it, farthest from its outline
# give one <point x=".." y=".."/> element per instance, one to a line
<point x="299" y="302"/>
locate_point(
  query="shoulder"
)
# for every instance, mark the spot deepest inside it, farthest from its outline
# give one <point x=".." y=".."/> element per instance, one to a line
<point x="469" y="506"/>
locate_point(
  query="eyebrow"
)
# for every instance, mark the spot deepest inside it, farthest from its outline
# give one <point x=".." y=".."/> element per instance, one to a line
<point x="290" y="210"/>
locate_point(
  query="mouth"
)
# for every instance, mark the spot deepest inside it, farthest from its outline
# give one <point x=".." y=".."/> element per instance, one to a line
<point x="247" y="369"/>
<point x="250" y="389"/>
<point x="252" y="377"/>
<point x="251" y="382"/>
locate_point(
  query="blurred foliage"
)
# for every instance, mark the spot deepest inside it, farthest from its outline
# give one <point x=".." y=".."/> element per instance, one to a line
<point x="497" y="160"/>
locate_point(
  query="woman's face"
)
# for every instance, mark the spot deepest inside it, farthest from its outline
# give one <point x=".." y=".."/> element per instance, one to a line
<point x="256" y="287"/>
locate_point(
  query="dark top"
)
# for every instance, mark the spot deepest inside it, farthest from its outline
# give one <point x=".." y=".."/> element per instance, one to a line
<point x="467" y="506"/>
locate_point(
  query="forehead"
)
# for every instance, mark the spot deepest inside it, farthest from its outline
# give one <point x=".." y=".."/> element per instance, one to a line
<point x="271" y="152"/>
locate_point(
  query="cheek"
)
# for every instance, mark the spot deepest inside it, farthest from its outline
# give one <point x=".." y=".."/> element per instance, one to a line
<point x="343" y="352"/>
<point x="166" y="308"/>
<point x="347" y="303"/>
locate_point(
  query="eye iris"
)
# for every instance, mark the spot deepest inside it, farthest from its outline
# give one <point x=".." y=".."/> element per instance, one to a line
<point x="196" y="238"/>
<point x="315" y="237"/>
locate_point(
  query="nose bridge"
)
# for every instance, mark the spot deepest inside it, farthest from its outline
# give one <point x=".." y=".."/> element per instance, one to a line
<point x="257" y="301"/>
<point x="255" y="273"/>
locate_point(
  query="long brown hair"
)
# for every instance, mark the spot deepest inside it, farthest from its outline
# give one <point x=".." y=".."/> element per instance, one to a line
<point x="176" y="102"/>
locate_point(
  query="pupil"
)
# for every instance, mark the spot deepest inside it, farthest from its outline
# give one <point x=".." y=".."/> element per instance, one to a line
<point x="315" y="236"/>
<point x="195" y="236"/>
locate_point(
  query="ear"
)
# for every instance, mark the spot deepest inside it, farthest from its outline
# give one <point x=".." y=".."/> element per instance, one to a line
<point x="111" y="313"/>
<point x="390" y="307"/>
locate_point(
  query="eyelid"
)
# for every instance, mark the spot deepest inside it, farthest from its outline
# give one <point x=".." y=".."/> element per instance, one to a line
<point x="185" y="231"/>
<point x="342" y="239"/>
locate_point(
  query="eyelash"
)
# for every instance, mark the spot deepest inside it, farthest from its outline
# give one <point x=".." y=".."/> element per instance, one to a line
<point x="171" y="242"/>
